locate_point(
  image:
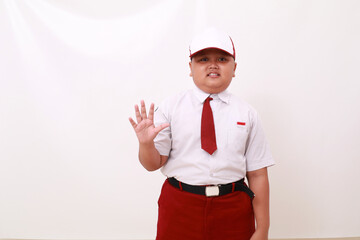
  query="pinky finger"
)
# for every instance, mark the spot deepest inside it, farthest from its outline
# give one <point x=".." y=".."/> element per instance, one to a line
<point x="133" y="123"/>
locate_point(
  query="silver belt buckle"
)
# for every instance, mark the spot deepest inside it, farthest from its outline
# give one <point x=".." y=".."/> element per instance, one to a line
<point x="212" y="191"/>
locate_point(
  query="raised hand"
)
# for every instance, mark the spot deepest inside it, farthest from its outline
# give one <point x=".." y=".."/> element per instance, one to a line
<point x="144" y="128"/>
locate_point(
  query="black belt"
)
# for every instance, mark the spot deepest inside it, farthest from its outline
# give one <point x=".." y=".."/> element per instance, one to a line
<point x="213" y="190"/>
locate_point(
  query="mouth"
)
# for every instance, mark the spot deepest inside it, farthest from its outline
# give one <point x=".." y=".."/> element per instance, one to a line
<point x="213" y="75"/>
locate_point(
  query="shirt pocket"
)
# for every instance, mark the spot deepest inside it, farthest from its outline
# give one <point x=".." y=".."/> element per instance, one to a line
<point x="237" y="136"/>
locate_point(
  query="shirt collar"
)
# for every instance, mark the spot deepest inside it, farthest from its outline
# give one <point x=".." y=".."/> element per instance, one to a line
<point x="201" y="95"/>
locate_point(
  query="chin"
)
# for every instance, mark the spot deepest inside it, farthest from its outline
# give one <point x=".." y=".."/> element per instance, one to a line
<point x="217" y="89"/>
<point x="214" y="90"/>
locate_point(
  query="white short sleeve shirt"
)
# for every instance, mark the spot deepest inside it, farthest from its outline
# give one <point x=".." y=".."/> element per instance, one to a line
<point x="241" y="143"/>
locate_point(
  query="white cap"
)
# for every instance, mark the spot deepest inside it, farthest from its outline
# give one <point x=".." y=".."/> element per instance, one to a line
<point x="212" y="38"/>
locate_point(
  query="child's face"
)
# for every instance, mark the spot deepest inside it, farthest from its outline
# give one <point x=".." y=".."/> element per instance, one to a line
<point x="212" y="70"/>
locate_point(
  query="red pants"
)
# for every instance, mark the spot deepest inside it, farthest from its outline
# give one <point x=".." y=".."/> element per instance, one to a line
<point x="188" y="216"/>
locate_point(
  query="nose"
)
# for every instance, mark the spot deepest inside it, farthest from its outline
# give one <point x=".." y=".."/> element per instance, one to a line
<point x="213" y="64"/>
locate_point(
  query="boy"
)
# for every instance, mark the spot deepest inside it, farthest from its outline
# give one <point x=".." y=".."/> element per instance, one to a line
<point x="206" y="141"/>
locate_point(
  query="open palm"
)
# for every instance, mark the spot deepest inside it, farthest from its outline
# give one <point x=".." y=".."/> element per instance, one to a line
<point x="144" y="128"/>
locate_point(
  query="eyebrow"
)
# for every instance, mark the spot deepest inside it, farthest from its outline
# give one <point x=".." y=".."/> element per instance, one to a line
<point x="218" y="55"/>
<point x="202" y="54"/>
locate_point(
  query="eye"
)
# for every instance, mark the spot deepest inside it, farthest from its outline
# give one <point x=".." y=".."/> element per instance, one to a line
<point x="222" y="59"/>
<point x="203" y="59"/>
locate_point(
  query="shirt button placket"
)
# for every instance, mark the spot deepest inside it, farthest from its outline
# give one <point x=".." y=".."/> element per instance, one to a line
<point x="211" y="172"/>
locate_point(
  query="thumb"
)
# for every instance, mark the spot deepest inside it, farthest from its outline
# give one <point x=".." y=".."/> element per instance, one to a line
<point x="161" y="127"/>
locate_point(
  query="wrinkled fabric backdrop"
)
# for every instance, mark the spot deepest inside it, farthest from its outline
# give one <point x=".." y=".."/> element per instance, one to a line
<point x="71" y="72"/>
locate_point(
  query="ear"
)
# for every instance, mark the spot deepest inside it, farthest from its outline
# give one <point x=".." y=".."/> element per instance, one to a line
<point x="190" y="70"/>
<point x="234" y="69"/>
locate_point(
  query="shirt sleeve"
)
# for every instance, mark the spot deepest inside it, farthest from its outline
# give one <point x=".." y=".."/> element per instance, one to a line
<point x="257" y="153"/>
<point x="163" y="140"/>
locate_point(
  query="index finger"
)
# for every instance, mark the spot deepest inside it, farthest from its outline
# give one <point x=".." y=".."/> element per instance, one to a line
<point x="151" y="112"/>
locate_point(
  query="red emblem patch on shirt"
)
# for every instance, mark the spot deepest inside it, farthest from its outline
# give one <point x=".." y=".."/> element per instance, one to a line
<point x="241" y="123"/>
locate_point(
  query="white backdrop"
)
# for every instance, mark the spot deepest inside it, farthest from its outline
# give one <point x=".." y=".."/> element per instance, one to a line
<point x="71" y="71"/>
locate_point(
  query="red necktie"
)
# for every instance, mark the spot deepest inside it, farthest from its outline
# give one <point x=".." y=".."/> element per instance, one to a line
<point x="208" y="138"/>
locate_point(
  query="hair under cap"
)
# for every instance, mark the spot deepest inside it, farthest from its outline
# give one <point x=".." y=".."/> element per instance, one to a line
<point x="212" y="38"/>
